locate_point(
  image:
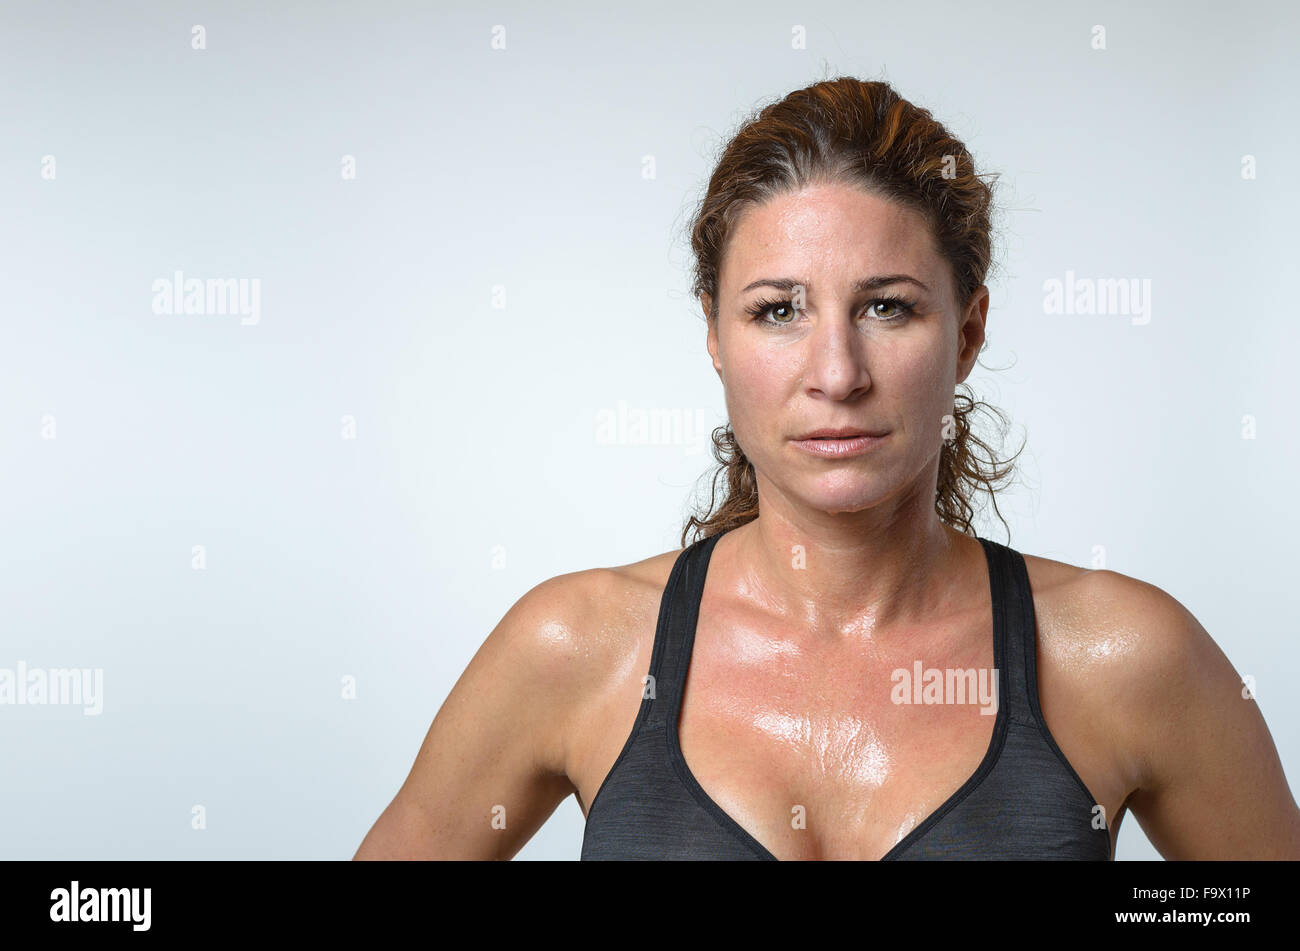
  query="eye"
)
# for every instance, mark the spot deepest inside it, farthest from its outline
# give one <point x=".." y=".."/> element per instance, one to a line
<point x="903" y="307"/>
<point x="759" y="310"/>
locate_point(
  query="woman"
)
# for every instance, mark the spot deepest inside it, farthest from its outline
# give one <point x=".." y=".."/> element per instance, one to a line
<point x="867" y="677"/>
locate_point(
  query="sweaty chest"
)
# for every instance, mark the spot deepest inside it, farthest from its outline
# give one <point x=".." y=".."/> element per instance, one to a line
<point x="834" y="751"/>
<point x="755" y="742"/>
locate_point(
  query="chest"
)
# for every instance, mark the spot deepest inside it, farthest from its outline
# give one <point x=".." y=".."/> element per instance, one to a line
<point x="810" y="747"/>
<point x="834" y="750"/>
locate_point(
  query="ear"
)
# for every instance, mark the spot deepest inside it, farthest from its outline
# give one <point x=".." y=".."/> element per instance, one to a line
<point x="711" y="341"/>
<point x="970" y="334"/>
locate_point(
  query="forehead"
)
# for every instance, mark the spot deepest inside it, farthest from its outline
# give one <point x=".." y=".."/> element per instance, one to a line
<point x="833" y="229"/>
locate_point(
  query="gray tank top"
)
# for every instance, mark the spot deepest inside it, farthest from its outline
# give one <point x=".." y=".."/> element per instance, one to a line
<point x="1024" y="800"/>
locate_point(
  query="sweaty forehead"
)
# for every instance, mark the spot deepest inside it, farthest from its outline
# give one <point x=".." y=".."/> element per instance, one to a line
<point x="840" y="232"/>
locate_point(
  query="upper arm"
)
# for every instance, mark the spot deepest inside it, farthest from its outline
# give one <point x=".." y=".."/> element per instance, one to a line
<point x="1211" y="784"/>
<point x="491" y="769"/>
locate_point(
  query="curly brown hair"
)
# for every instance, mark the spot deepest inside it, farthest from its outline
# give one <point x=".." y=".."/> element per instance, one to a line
<point x="865" y="134"/>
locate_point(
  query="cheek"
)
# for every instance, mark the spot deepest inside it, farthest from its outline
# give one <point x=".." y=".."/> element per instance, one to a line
<point x="928" y="376"/>
<point x="757" y="381"/>
<point x="916" y="382"/>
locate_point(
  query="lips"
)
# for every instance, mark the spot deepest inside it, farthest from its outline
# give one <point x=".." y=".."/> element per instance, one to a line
<point x="847" y="432"/>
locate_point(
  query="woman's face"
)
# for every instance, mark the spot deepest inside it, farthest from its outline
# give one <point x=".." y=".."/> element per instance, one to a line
<point x="841" y="357"/>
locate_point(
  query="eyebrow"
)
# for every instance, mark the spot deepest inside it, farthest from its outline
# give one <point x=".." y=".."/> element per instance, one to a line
<point x="859" y="286"/>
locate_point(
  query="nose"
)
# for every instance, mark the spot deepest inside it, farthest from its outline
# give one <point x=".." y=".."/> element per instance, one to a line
<point x="836" y="361"/>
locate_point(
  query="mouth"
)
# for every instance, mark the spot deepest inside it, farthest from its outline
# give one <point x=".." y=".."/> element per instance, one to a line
<point x="844" y="433"/>
<point x="843" y="443"/>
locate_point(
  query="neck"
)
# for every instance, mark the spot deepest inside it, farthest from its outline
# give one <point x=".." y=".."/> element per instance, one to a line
<point x="851" y="575"/>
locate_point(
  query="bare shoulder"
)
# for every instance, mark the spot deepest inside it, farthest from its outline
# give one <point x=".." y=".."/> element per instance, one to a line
<point x="1103" y="618"/>
<point x="503" y="737"/>
<point x="1203" y="774"/>
<point x="1097" y="617"/>
<point x="620" y="608"/>
<point x="586" y="611"/>
<point x="586" y="630"/>
<point x="1129" y="655"/>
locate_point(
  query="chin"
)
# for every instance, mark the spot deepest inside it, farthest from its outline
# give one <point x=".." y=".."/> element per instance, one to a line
<point x="845" y="500"/>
